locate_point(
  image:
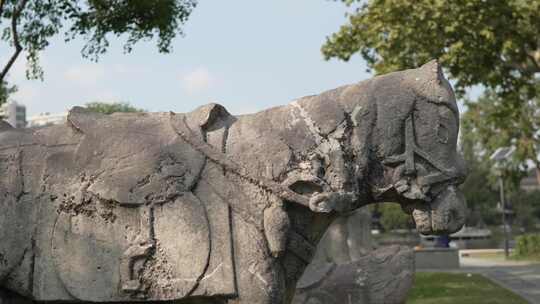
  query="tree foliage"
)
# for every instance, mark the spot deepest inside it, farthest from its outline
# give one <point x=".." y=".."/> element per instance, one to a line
<point x="492" y="43"/>
<point x="481" y="196"/>
<point x="5" y="91"/>
<point x="493" y="121"/>
<point x="481" y="188"/>
<point x="527" y="208"/>
<point x="28" y="25"/>
<point x="111" y="107"/>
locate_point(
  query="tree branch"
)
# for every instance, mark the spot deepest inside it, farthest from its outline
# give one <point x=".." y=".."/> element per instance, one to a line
<point x="2" y="2"/>
<point x="15" y="34"/>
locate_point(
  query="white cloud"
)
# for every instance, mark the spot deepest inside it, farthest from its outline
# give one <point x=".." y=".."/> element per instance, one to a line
<point x="197" y="80"/>
<point x="85" y="74"/>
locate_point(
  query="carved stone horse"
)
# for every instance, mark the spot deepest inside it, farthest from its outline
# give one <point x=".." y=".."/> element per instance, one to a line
<point x="206" y="207"/>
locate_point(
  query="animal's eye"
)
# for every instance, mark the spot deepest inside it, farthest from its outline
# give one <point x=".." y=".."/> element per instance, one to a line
<point x="442" y="134"/>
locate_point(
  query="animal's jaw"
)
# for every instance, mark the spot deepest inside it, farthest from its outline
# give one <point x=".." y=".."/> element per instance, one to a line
<point x="445" y="214"/>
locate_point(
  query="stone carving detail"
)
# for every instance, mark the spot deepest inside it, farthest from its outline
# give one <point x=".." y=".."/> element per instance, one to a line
<point x="347" y="239"/>
<point x="381" y="277"/>
<point x="346" y="269"/>
<point x="207" y="207"/>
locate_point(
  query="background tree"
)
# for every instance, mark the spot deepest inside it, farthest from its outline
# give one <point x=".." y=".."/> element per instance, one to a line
<point x="392" y="217"/>
<point x="495" y="44"/>
<point x="478" y="187"/>
<point x="28" y="25"/>
<point x="111" y="107"/>
<point x="5" y="91"/>
<point x="527" y="208"/>
<point x="493" y="121"/>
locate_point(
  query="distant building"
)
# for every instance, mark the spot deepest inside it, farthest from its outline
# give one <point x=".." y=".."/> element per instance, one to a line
<point x="14" y="114"/>
<point x="45" y="119"/>
<point x="530" y="182"/>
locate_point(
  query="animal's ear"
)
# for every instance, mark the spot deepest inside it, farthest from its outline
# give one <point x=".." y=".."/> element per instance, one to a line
<point x="433" y="71"/>
<point x="4" y="126"/>
<point x="81" y="118"/>
<point x="434" y="86"/>
<point x="208" y="115"/>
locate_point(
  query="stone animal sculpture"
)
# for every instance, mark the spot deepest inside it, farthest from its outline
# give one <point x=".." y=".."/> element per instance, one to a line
<point x="347" y="269"/>
<point x="383" y="276"/>
<point x="207" y="207"/>
<point x="348" y="238"/>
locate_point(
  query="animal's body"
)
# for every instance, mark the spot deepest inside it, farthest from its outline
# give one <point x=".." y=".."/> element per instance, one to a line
<point x="207" y="207"/>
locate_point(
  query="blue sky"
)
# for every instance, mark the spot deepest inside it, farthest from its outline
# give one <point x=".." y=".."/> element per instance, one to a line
<point x="246" y="55"/>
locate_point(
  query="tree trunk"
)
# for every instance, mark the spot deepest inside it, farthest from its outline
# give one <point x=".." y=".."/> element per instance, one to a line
<point x="538" y="174"/>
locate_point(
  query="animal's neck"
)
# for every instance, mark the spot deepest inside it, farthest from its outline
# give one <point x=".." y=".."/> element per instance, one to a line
<point x="309" y="227"/>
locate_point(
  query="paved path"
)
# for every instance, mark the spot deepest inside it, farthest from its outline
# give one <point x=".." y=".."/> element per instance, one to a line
<point x="523" y="278"/>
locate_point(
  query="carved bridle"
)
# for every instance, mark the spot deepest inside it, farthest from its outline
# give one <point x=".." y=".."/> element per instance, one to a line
<point x="408" y="159"/>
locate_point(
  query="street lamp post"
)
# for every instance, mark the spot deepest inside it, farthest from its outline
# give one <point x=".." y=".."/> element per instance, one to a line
<point x="500" y="156"/>
<point x="503" y="208"/>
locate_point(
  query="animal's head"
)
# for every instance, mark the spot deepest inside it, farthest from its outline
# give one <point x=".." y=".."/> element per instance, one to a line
<point x="415" y="144"/>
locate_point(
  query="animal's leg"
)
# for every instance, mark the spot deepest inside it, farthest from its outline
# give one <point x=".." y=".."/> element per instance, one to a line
<point x="260" y="277"/>
<point x="276" y="228"/>
<point x="337" y="247"/>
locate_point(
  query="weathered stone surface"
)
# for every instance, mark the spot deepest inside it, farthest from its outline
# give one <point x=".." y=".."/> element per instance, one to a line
<point x="347" y="239"/>
<point x="207" y="207"/>
<point x="347" y="268"/>
<point x="382" y="277"/>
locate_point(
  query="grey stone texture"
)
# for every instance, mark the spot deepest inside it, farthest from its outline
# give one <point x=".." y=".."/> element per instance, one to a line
<point x="360" y="274"/>
<point x="347" y="239"/>
<point x="207" y="207"/>
<point x="383" y="276"/>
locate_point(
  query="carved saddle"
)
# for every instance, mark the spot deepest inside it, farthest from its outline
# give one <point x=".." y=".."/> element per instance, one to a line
<point x="120" y="217"/>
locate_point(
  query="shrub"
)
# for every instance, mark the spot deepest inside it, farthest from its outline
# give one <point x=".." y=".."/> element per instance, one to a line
<point x="528" y="245"/>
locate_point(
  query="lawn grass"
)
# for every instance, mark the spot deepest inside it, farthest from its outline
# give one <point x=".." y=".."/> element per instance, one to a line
<point x="458" y="288"/>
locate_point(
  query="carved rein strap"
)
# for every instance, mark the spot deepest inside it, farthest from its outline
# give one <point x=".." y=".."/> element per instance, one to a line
<point x="219" y="158"/>
<point x="408" y="157"/>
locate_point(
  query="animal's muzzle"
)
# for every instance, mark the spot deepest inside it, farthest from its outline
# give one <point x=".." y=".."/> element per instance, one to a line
<point x="445" y="214"/>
